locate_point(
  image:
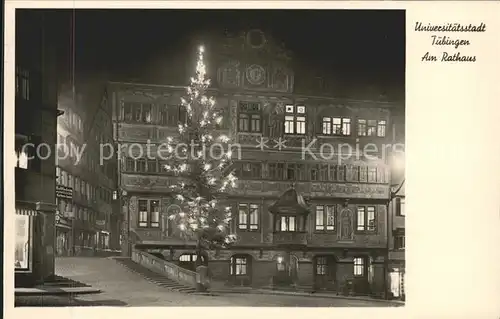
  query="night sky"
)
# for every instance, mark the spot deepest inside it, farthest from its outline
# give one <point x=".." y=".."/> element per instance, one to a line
<point x="351" y="43"/>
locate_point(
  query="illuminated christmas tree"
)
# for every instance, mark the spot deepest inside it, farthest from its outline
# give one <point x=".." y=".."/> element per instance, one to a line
<point x="201" y="159"/>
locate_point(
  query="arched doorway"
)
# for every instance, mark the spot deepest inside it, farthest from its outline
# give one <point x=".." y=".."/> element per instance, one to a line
<point x="325" y="272"/>
<point x="240" y="270"/>
<point x="287" y="269"/>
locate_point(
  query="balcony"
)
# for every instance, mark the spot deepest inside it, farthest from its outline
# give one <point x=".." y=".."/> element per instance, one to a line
<point x="290" y="238"/>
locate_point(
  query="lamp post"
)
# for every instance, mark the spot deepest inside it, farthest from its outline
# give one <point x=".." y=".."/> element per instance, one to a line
<point x="397" y="165"/>
<point x="124" y="201"/>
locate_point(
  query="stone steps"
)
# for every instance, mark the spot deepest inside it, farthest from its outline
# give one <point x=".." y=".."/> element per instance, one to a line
<point x="153" y="277"/>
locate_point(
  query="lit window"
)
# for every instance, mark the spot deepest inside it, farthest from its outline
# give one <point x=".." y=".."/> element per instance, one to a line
<point x="23" y="247"/>
<point x="149" y="213"/>
<point x="22" y="159"/>
<point x="400" y="207"/>
<point x="238" y="266"/>
<point x="336" y="126"/>
<point x="359" y="266"/>
<point x="381" y="128"/>
<point x="295" y="119"/>
<point x="325" y="218"/>
<point x="248" y="216"/>
<point x="243" y="216"/>
<point x="287" y="223"/>
<point x="327" y="125"/>
<point x="289" y="121"/>
<point x="366" y="219"/>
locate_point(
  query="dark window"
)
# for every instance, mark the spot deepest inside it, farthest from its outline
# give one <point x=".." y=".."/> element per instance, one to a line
<point x="341" y="173"/>
<point x="361" y="127"/>
<point x="23" y="83"/>
<point x="276" y="171"/>
<point x="249" y="117"/>
<point x="141" y="165"/>
<point x="399" y="242"/>
<point x="372" y="174"/>
<point x="314" y="172"/>
<point x="152" y="166"/>
<point x="137" y="112"/>
<point x="372" y="128"/>
<point x="251" y="170"/>
<point x="321" y="265"/>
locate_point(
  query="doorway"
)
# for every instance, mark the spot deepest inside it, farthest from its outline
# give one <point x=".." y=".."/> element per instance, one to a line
<point x="287" y="269"/>
<point x="325" y="272"/>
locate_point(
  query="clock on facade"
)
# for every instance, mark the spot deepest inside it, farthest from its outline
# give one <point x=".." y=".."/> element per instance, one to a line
<point x="255" y="74"/>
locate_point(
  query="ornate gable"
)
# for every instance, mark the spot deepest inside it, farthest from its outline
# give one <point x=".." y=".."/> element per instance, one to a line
<point x="253" y="60"/>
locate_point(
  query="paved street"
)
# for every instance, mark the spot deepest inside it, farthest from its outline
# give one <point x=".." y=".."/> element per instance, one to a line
<point x="123" y="288"/>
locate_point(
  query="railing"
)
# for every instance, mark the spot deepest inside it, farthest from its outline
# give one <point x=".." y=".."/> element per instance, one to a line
<point x="160" y="266"/>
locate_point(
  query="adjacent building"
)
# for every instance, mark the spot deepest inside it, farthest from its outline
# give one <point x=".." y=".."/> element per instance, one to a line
<point x="87" y="218"/>
<point x="397" y="211"/>
<point x="305" y="216"/>
<point x="36" y="86"/>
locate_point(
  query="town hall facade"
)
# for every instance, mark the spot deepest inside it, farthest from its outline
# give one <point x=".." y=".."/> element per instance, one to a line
<point x="305" y="215"/>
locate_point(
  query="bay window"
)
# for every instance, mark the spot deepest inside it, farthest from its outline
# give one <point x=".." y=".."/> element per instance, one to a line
<point x="287" y="224"/>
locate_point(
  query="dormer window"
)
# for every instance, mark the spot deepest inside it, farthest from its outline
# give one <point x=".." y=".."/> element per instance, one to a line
<point x="295" y="119"/>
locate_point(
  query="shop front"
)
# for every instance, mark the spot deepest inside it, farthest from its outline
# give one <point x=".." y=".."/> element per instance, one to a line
<point x="64" y="236"/>
<point x="397" y="276"/>
<point x="34" y="243"/>
<point x="63" y="218"/>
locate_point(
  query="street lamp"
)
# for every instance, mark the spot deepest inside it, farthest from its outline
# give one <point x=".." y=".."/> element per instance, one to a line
<point x="124" y="202"/>
<point x="397" y="164"/>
